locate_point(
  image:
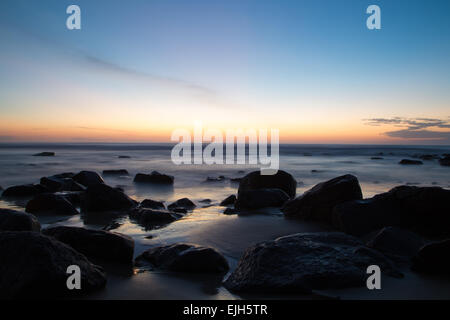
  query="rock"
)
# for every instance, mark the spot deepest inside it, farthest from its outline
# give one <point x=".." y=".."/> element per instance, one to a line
<point x="215" y="179"/>
<point x="427" y="156"/>
<point x="124" y="157"/>
<point x="410" y="162"/>
<point x="152" y="204"/>
<point x="393" y="241"/>
<point x="152" y="218"/>
<point x="261" y="198"/>
<point x="44" y="154"/>
<point x="281" y="180"/>
<point x="303" y="262"/>
<point x="101" y="197"/>
<point x="445" y="161"/>
<point x="98" y="244"/>
<point x="26" y="190"/>
<point x="179" y="210"/>
<point x="119" y="172"/>
<point x="318" y="202"/>
<point x="88" y="178"/>
<point x="12" y="220"/>
<point x="230" y="200"/>
<point x="424" y="210"/>
<point x="377" y="158"/>
<point x="182" y="203"/>
<point x="59" y="183"/>
<point x="48" y="203"/>
<point x="205" y="201"/>
<point x="154" y="177"/>
<point x="434" y="258"/>
<point x="230" y="211"/>
<point x="35" y="266"/>
<point x="181" y="257"/>
<point x="236" y="180"/>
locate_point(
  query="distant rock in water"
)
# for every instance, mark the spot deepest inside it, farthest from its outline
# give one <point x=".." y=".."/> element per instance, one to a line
<point x="445" y="161"/>
<point x="182" y="203"/>
<point x="410" y="162"/>
<point x="26" y="190"/>
<point x="154" y="177"/>
<point x="303" y="262"/>
<point x="88" y="178"/>
<point x="230" y="200"/>
<point x="422" y="209"/>
<point x="261" y="198"/>
<point x="44" y="154"/>
<point x="281" y="180"/>
<point x="97" y="244"/>
<point x="152" y="204"/>
<point x="376" y="158"/>
<point x="34" y="266"/>
<point x="101" y="197"/>
<point x="119" y="172"/>
<point x="181" y="257"/>
<point x="12" y="220"/>
<point x="124" y="157"/>
<point x="215" y="179"/>
<point x="434" y="258"/>
<point x="318" y="202"/>
<point x="48" y="203"/>
<point x="207" y="201"/>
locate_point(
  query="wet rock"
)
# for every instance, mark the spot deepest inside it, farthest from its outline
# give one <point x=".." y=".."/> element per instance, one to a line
<point x="151" y="218"/>
<point x="236" y="180"/>
<point x="393" y="241"/>
<point x="318" y="202"/>
<point x="302" y="262"/>
<point x="119" y="172"/>
<point x="12" y="220"/>
<point x="101" y="197"/>
<point x="230" y="200"/>
<point x="98" y="244"/>
<point x="230" y="211"/>
<point x="154" y="177"/>
<point x="179" y="210"/>
<point x="112" y="226"/>
<point x="181" y="257"/>
<point x="48" y="203"/>
<point x="434" y="258"/>
<point x="44" y="154"/>
<point x="420" y="209"/>
<point x="410" y="162"/>
<point x="182" y="203"/>
<point x="152" y="204"/>
<point x="281" y="180"/>
<point x="445" y="161"/>
<point x="261" y="198"/>
<point x="26" y="190"/>
<point x="124" y="157"/>
<point x="61" y="183"/>
<point x="88" y="178"/>
<point x="35" y="266"/>
<point x="377" y="158"/>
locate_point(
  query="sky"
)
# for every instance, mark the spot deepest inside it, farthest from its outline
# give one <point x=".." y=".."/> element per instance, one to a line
<point x="137" y="70"/>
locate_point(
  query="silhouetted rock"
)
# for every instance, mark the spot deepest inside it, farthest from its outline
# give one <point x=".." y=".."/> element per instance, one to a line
<point x="44" y="154"/>
<point x="101" y="197"/>
<point x="182" y="203"/>
<point x="61" y="183"/>
<point x="179" y="210"/>
<point x="152" y="204"/>
<point x="427" y="156"/>
<point x="119" y="172"/>
<point x="12" y="220"/>
<point x="48" y="203"/>
<point x="35" y="266"/>
<point x="377" y="158"/>
<point x="154" y="177"/>
<point x="181" y="257"/>
<point x="318" y="202"/>
<point x="434" y="258"/>
<point x="445" y="161"/>
<point x="281" y="180"/>
<point x="124" y="157"/>
<point x="230" y="200"/>
<point x="410" y="162"/>
<point x="88" y="178"/>
<point x="97" y="244"/>
<point x="26" y="190"/>
<point x="420" y="209"/>
<point x="393" y="241"/>
<point x="205" y="201"/>
<point x="150" y="218"/>
<point x="230" y="211"/>
<point x="302" y="262"/>
<point x="261" y="198"/>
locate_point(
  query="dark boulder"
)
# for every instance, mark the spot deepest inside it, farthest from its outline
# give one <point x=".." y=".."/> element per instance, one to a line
<point x="445" y="161"/>
<point x="12" y="220"/>
<point x="48" y="203"/>
<point x="181" y="257"/>
<point x="101" y="197"/>
<point x="155" y="177"/>
<point x="261" y="198"/>
<point x="230" y="211"/>
<point x="149" y="218"/>
<point x="281" y="180"/>
<point x="434" y="258"/>
<point x="182" y="203"/>
<point x="98" y="244"/>
<point x="119" y="172"/>
<point x="424" y="210"/>
<point x="35" y="266"/>
<point x="88" y="178"/>
<point x="60" y="183"/>
<point x="152" y="204"/>
<point x="410" y="162"/>
<point x="303" y="262"/>
<point x="44" y="154"/>
<point x="396" y="242"/>
<point x="318" y="203"/>
<point x="228" y="201"/>
<point x="124" y="157"/>
<point x="26" y="190"/>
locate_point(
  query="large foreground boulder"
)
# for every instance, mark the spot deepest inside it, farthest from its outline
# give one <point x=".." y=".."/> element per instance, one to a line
<point x="396" y="242"/>
<point x="281" y="180"/>
<point x="302" y="262"/>
<point x="12" y="220"/>
<point x="26" y="190"/>
<point x="88" y="178"/>
<point x="433" y="258"/>
<point x="49" y="203"/>
<point x="101" y="197"/>
<point x="181" y="257"/>
<point x="425" y="210"/>
<point x="155" y="177"/>
<point x="97" y="244"/>
<point x="318" y="203"/>
<point x="35" y="266"/>
<point x="261" y="198"/>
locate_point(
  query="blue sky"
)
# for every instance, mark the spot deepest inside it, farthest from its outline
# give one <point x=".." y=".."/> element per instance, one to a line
<point x="143" y="68"/>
